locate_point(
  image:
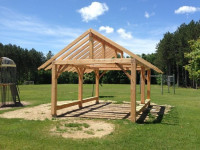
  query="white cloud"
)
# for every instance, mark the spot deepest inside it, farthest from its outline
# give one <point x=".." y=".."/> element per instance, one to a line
<point x="92" y="11"/>
<point x="125" y="35"/>
<point x="186" y="10"/>
<point x="107" y="29"/>
<point x="29" y="32"/>
<point x="148" y="15"/>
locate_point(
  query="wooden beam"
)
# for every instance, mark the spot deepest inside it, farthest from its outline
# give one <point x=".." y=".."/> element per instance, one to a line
<point x="133" y="91"/>
<point x="109" y="42"/>
<point x="94" y="61"/>
<point x="142" y="77"/>
<point x="54" y="90"/>
<point x="102" y="74"/>
<point x="127" y="74"/>
<point x="103" y="50"/>
<point x="80" y="85"/>
<point x="97" y="85"/>
<point x="91" y="56"/>
<point x="63" y="50"/>
<point x="148" y="84"/>
<point x="122" y="55"/>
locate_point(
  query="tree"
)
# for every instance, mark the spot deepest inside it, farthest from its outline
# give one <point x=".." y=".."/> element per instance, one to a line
<point x="193" y="57"/>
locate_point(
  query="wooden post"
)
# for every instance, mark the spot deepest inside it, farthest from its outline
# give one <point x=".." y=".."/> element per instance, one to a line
<point x="91" y="55"/>
<point x="133" y="90"/>
<point x="80" y="86"/>
<point x="149" y="84"/>
<point x="97" y="85"/>
<point x="115" y="53"/>
<point x="122" y="55"/>
<point x="103" y="50"/>
<point x="142" y="76"/>
<point x="54" y="90"/>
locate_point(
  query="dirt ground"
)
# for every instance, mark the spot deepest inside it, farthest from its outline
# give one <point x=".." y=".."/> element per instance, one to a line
<point x="76" y="127"/>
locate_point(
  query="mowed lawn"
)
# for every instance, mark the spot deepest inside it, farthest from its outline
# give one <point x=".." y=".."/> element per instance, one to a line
<point x="180" y="129"/>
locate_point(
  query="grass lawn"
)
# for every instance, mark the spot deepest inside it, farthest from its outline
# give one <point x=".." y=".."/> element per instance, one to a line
<point x="180" y="129"/>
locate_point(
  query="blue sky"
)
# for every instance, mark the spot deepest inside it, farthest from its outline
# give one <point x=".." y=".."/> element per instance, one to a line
<point x="138" y="25"/>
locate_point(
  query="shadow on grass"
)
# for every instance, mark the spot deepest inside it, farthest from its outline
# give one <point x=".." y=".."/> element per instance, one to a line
<point x="171" y="118"/>
<point x="106" y="96"/>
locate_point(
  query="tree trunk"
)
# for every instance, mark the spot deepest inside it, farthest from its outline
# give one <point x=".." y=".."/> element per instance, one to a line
<point x="177" y="76"/>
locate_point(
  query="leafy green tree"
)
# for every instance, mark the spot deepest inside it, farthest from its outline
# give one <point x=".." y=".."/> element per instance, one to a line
<point x="193" y="57"/>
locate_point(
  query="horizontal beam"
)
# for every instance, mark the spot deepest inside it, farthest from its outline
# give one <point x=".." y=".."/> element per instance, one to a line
<point x="94" y="61"/>
<point x="76" y="103"/>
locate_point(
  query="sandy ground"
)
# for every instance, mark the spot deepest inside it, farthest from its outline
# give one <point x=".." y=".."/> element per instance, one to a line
<point x="96" y="128"/>
<point x="24" y="103"/>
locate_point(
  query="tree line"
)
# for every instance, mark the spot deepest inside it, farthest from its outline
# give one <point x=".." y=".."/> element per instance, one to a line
<point x="170" y="57"/>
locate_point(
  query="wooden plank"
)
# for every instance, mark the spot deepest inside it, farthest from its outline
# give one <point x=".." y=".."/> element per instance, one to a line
<point x="80" y="85"/>
<point x="103" y="50"/>
<point x="97" y="85"/>
<point x="127" y="74"/>
<point x="54" y="90"/>
<point x="147" y="103"/>
<point x="67" y="105"/>
<point x="74" y="48"/>
<point x="91" y="54"/>
<point x="148" y="84"/>
<point x="133" y="91"/>
<point x="120" y="48"/>
<point x="95" y="61"/>
<point x="102" y="74"/>
<point x="142" y="77"/>
<point x="89" y="99"/>
<point x="63" y="50"/>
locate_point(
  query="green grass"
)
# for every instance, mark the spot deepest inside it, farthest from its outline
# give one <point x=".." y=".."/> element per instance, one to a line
<point x="180" y="129"/>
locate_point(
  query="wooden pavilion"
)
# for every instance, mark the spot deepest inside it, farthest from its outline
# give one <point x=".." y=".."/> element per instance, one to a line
<point x="94" y="52"/>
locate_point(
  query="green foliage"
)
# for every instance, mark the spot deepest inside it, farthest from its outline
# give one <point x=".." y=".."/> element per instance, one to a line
<point x="170" y="51"/>
<point x="193" y="57"/>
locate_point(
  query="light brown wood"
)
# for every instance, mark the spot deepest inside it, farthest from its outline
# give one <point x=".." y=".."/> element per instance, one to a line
<point x="147" y="103"/>
<point x="133" y="90"/>
<point x="97" y="85"/>
<point x="63" y="50"/>
<point x="103" y="50"/>
<point x="67" y="105"/>
<point x="142" y="77"/>
<point x="102" y="74"/>
<point x="91" y="56"/>
<point x="120" y="48"/>
<point x="89" y="99"/>
<point x="148" y="84"/>
<point x="54" y="90"/>
<point x="122" y="55"/>
<point x="94" y="61"/>
<point x="127" y="74"/>
<point x="80" y="85"/>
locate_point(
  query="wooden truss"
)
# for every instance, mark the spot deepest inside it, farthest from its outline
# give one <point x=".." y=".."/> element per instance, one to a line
<point x="93" y="52"/>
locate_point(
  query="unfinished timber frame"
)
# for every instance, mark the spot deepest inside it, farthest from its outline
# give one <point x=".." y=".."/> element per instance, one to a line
<point x="94" y="52"/>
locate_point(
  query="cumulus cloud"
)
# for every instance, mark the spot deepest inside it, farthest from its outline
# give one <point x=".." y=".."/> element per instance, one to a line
<point x="186" y="10"/>
<point x="125" y="35"/>
<point x="148" y="15"/>
<point x="107" y="29"/>
<point x="92" y="11"/>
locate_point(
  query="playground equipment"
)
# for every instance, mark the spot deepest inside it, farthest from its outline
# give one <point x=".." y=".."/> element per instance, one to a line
<point x="8" y="86"/>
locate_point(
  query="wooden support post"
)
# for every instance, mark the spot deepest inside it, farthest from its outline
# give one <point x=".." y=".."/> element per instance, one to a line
<point x="54" y="90"/>
<point x="97" y="85"/>
<point x="122" y="55"/>
<point x="80" y="85"/>
<point x="115" y="54"/>
<point x="142" y="76"/>
<point x="133" y="91"/>
<point x="91" y="54"/>
<point x="149" y="84"/>
<point x="103" y="50"/>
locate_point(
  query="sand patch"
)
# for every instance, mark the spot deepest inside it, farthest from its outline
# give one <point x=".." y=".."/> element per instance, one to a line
<point x="82" y="129"/>
<point x="10" y="106"/>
